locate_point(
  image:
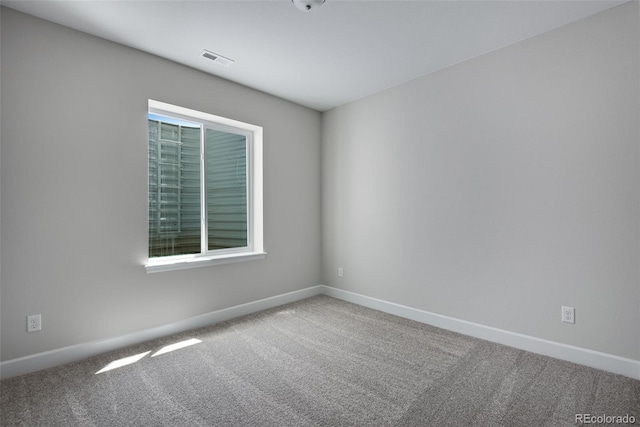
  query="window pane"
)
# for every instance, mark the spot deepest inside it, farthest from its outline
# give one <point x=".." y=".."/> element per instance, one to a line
<point x="169" y="132"/>
<point x="174" y="189"/>
<point x="226" y="156"/>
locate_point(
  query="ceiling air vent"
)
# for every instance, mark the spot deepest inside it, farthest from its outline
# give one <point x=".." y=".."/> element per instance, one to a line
<point x="218" y="59"/>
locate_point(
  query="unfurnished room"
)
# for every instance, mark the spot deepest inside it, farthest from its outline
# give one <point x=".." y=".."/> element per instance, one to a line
<point x="319" y="213"/>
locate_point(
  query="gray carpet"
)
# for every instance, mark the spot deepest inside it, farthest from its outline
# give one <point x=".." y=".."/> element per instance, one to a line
<point x="318" y="362"/>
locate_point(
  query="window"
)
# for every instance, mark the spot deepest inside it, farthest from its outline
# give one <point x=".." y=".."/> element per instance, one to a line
<point x="205" y="189"/>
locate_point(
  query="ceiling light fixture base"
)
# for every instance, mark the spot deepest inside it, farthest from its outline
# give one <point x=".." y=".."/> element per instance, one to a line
<point x="307" y="5"/>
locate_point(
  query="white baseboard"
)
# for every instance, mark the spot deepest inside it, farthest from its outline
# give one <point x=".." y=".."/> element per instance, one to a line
<point x="582" y="356"/>
<point x="49" y="359"/>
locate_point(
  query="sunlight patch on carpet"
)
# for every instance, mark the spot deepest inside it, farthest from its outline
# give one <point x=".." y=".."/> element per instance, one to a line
<point x="123" y="362"/>
<point x="176" y="346"/>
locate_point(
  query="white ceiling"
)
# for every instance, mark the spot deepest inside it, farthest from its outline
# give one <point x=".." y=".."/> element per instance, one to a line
<point x="344" y="51"/>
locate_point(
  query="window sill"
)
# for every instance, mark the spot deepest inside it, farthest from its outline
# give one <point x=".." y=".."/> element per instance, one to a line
<point x="159" y="265"/>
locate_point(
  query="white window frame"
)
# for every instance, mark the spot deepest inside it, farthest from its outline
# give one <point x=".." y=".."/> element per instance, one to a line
<point x="255" y="244"/>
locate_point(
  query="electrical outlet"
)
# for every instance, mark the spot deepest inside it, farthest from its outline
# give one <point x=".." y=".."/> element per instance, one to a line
<point x="568" y="314"/>
<point x="340" y="272"/>
<point x="34" y="323"/>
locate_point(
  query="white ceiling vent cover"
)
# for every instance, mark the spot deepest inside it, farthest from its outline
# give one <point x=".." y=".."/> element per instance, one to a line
<point x="218" y="59"/>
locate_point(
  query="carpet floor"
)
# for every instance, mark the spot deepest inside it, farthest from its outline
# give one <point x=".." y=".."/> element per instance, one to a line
<point x="317" y="362"/>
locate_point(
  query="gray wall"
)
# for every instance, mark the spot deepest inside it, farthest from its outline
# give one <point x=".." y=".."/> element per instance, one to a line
<point x="74" y="190"/>
<point x="500" y="188"/>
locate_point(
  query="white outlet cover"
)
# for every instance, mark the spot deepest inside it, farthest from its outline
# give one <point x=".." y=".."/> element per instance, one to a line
<point x="568" y="314"/>
<point x="34" y="323"/>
